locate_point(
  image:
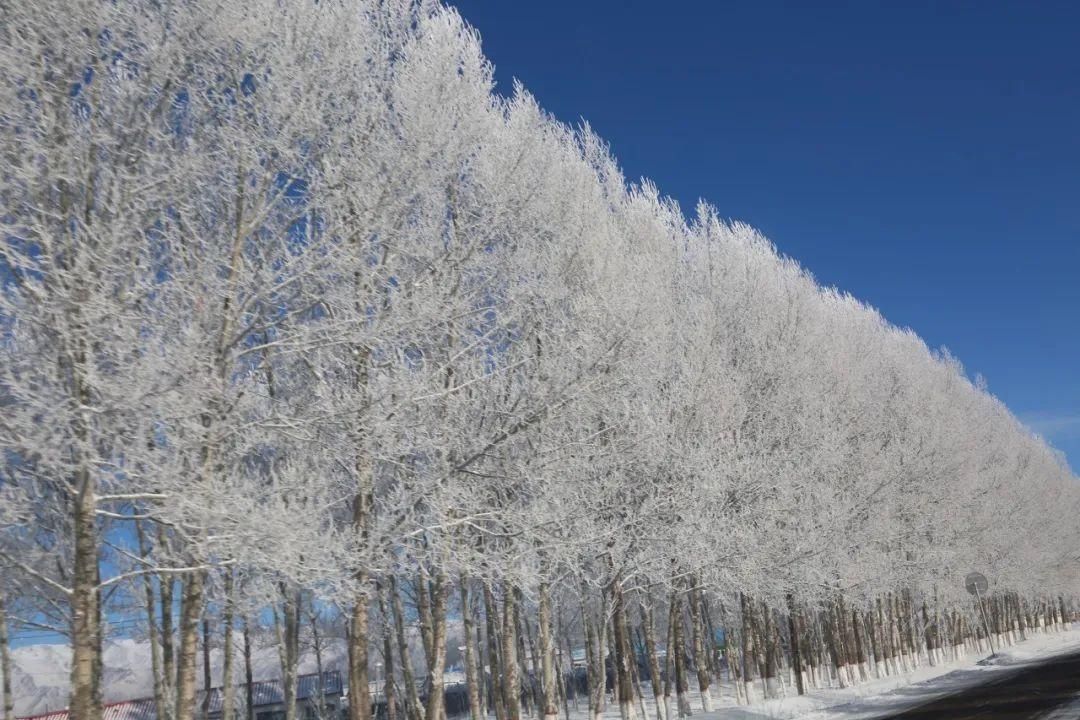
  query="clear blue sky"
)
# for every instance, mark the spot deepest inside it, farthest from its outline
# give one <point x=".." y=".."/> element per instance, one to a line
<point x="923" y="156"/>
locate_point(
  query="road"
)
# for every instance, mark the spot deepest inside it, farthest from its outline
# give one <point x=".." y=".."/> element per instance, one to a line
<point x="1030" y="692"/>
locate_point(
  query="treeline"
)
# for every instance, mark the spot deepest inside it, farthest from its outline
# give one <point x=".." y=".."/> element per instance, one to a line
<point x="293" y="304"/>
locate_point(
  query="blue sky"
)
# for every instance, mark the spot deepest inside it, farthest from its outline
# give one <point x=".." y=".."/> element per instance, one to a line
<point x="923" y="156"/>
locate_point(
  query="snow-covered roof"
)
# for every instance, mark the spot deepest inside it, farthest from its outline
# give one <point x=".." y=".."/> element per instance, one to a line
<point x="141" y="709"/>
<point x="272" y="692"/>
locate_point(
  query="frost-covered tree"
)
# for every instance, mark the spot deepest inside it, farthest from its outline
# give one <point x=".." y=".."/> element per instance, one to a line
<point x="297" y="311"/>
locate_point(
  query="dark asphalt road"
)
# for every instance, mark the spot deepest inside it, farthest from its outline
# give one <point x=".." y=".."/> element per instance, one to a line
<point x="1022" y="694"/>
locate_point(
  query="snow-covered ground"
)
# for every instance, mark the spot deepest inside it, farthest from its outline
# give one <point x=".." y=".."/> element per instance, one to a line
<point x="882" y="698"/>
<point x="876" y="698"/>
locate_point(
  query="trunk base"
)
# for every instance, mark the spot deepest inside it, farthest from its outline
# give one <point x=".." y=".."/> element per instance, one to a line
<point x="684" y="705"/>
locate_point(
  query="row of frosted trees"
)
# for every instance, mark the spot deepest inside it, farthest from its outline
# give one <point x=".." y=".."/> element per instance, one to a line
<point x="293" y="305"/>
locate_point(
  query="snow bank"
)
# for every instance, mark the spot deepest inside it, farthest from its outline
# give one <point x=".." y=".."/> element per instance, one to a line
<point x="887" y="696"/>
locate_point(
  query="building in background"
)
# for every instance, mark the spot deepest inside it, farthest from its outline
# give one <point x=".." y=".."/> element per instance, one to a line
<point x="317" y="698"/>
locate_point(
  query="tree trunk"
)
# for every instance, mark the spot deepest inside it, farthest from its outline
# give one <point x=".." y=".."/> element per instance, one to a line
<point x="635" y="670"/>
<point x="5" y="664"/>
<point x="833" y="643"/>
<point x="564" y="694"/>
<point x="669" y="665"/>
<point x="887" y="652"/>
<point x="511" y="679"/>
<point x="701" y="662"/>
<point x="677" y="649"/>
<point x="388" y="656"/>
<point x="897" y="634"/>
<point x="440" y="591"/>
<point x="480" y="664"/>
<point x="423" y="610"/>
<point x="860" y="646"/>
<point x="571" y="679"/>
<point x="207" y="681"/>
<point x="288" y="636"/>
<point x="472" y="672"/>
<point x="249" y="679"/>
<point x="316" y="647"/>
<point x="875" y="646"/>
<point x="150" y="602"/>
<point x="1019" y="613"/>
<point x="190" y="609"/>
<point x="735" y="664"/>
<point x="594" y="659"/>
<point x="796" y="652"/>
<point x="649" y="631"/>
<point x="712" y="651"/>
<point x="228" y="701"/>
<point x="930" y="630"/>
<point x="623" y="655"/>
<point x="549" y="684"/>
<point x="767" y="643"/>
<point x="363" y="502"/>
<point x="611" y="665"/>
<point x="412" y="697"/>
<point x="491" y="619"/>
<point x="911" y="635"/>
<point x="528" y="670"/>
<point x="749" y="649"/>
<point x="85" y="605"/>
<point x="359" y="693"/>
<point x="166" y="587"/>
